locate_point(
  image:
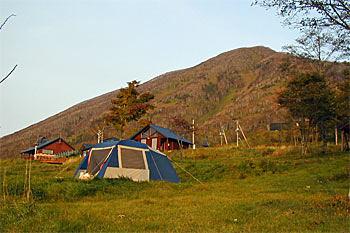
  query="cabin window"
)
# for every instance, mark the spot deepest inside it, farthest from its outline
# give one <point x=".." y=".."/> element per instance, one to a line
<point x="153" y="131"/>
<point x="132" y="159"/>
<point x="145" y="134"/>
<point x="50" y="152"/>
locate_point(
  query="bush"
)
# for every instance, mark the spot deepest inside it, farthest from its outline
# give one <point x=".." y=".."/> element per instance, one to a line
<point x="267" y="165"/>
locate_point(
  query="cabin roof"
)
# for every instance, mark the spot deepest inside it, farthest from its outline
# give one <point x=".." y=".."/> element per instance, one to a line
<point x="40" y="146"/>
<point x="279" y="126"/>
<point x="163" y="131"/>
<point x="86" y="146"/>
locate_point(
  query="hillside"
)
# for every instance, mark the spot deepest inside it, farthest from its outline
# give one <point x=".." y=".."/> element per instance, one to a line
<point x="239" y="84"/>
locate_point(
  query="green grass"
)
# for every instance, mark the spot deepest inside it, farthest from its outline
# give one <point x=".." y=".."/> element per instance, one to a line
<point x="259" y="190"/>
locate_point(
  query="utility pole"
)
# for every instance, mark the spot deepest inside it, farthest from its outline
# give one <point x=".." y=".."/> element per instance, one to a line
<point x="223" y="134"/>
<point x="35" y="151"/>
<point x="237" y="133"/>
<point x="220" y="133"/>
<point x="194" y="145"/>
<point x="239" y="129"/>
<point x="245" y="138"/>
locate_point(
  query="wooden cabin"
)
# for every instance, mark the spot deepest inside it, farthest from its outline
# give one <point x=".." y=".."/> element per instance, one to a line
<point x="48" y="150"/>
<point x="159" y="138"/>
<point x="85" y="148"/>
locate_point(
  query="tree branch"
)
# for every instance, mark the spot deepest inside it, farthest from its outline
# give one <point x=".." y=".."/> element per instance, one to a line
<point x="6" y="20"/>
<point x="8" y="74"/>
<point x="341" y="21"/>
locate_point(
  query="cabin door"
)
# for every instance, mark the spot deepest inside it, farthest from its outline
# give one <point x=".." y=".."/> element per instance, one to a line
<point x="154" y="143"/>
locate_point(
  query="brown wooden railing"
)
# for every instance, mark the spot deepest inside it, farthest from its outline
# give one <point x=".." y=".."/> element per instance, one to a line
<point x="44" y="158"/>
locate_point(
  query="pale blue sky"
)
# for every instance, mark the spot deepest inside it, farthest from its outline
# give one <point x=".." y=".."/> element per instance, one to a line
<point x="69" y="51"/>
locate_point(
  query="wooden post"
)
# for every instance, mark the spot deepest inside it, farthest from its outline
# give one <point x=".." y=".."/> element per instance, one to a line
<point x="245" y="138"/>
<point x="346" y="141"/>
<point x="25" y="179"/>
<point x="30" y="170"/>
<point x="342" y="140"/>
<point x="336" y="135"/>
<point x="220" y="138"/>
<point x="225" y="136"/>
<point x="4" y="189"/>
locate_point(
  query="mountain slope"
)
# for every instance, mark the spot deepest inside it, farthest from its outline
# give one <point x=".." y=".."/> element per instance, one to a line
<point x="239" y="84"/>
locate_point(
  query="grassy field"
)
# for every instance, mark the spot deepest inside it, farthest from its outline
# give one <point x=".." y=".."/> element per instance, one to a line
<point x="261" y="189"/>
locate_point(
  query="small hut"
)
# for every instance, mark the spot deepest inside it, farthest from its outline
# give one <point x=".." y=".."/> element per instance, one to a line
<point x="48" y="150"/>
<point x="162" y="139"/>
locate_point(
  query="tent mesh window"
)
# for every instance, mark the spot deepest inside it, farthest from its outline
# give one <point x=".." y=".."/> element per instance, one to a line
<point x="132" y="159"/>
<point x="97" y="158"/>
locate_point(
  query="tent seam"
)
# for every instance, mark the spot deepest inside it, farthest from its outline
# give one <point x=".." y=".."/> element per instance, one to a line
<point x="156" y="166"/>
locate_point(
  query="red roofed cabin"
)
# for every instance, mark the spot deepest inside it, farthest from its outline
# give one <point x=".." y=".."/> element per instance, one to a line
<point x="159" y="138"/>
<point x="47" y="149"/>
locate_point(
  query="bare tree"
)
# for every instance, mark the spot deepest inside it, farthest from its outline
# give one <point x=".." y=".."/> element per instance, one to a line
<point x="13" y="69"/>
<point x="97" y="127"/>
<point x="320" y="46"/>
<point x="329" y="20"/>
<point x="5" y="21"/>
<point x="312" y="13"/>
<point x="180" y="127"/>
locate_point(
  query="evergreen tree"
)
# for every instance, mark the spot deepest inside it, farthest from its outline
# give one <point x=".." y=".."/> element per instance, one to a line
<point x="129" y="105"/>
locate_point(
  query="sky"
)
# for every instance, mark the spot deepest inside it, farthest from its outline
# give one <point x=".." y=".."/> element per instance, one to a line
<point x="71" y="51"/>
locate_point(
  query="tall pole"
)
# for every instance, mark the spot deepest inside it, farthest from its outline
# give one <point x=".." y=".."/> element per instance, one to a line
<point x="336" y="135"/>
<point x="237" y="133"/>
<point x="220" y="138"/>
<point x="194" y="145"/>
<point x="223" y="132"/>
<point x="30" y="170"/>
<point x="245" y="138"/>
<point x="35" y="151"/>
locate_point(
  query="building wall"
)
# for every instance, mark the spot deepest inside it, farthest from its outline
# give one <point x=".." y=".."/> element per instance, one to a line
<point x="149" y="139"/>
<point x="163" y="143"/>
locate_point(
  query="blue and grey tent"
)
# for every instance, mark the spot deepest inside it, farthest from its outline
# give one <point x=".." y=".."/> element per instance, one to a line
<point x="127" y="158"/>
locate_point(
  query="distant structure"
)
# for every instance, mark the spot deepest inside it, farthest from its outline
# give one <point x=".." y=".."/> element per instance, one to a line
<point x="345" y="135"/>
<point x="48" y="150"/>
<point x="159" y="138"/>
<point x="85" y="148"/>
<point x="206" y="144"/>
<point x="278" y="126"/>
<point x="112" y="139"/>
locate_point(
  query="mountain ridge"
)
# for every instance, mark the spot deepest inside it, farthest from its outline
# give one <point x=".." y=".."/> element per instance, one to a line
<point x="240" y="83"/>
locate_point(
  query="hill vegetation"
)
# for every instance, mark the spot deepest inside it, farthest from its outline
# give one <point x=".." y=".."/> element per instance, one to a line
<point x="240" y="84"/>
<point x="266" y="189"/>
